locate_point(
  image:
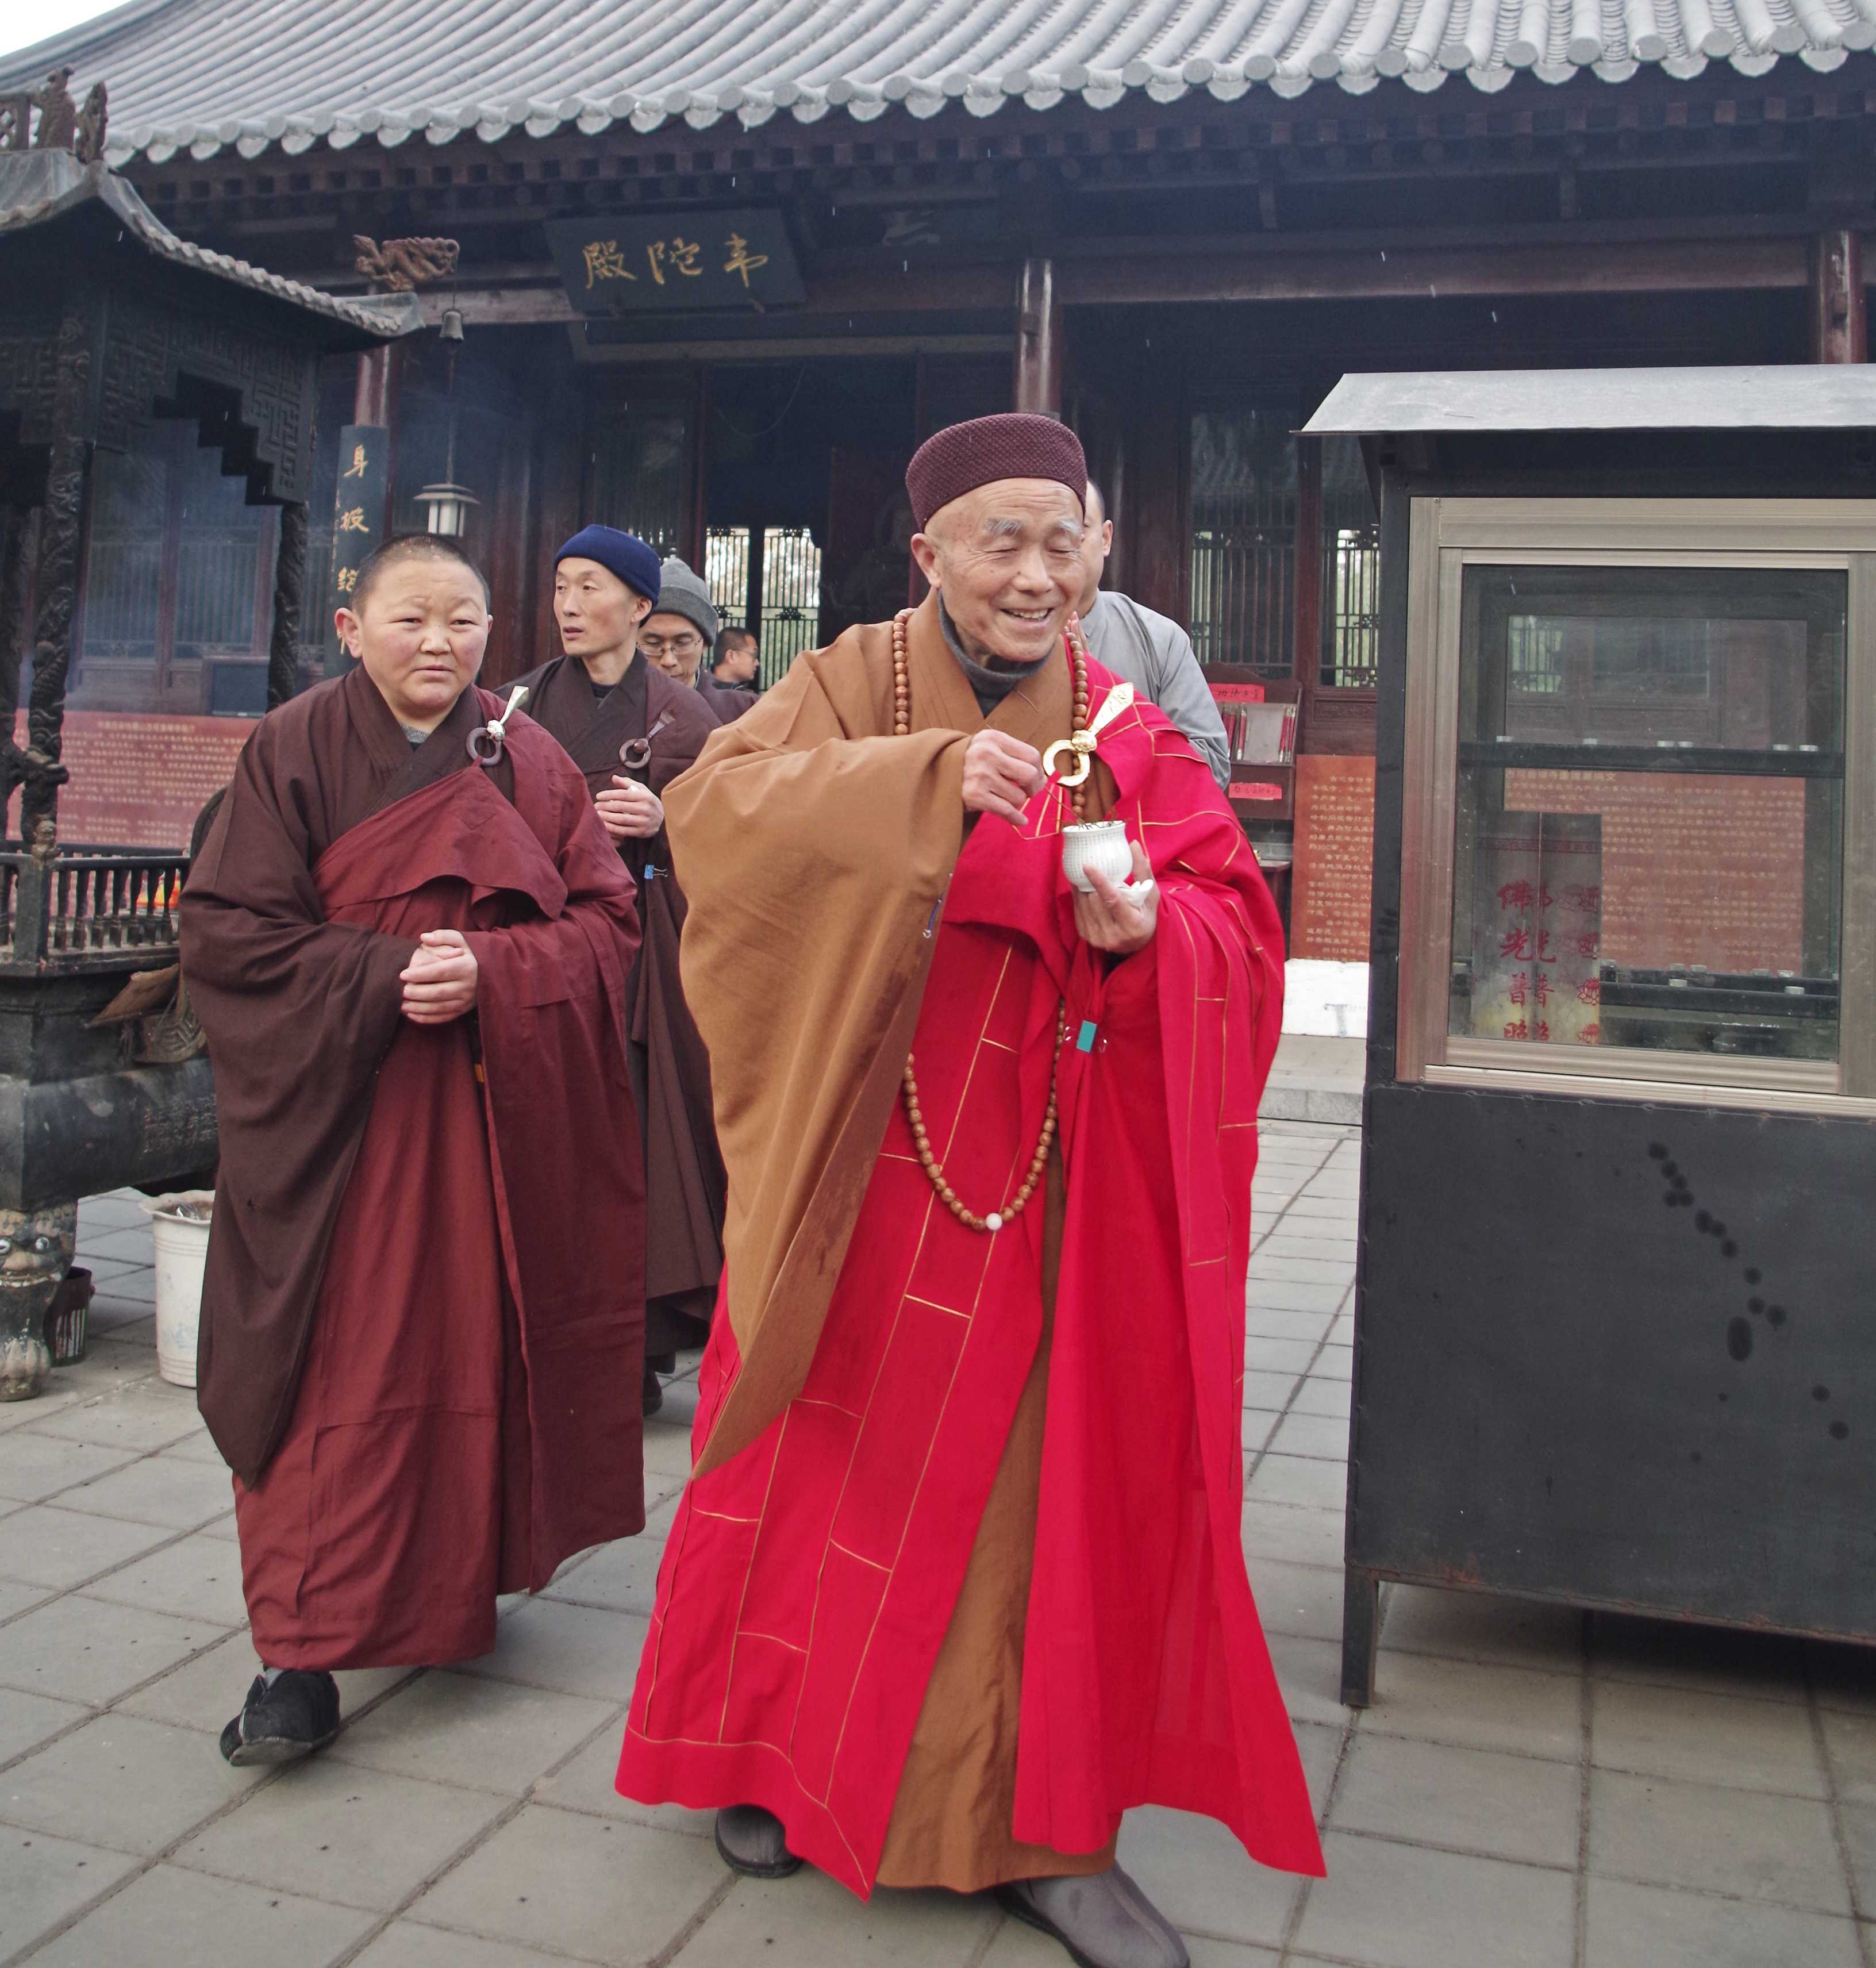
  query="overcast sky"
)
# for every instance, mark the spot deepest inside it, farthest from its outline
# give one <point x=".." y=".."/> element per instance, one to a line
<point x="23" y="22"/>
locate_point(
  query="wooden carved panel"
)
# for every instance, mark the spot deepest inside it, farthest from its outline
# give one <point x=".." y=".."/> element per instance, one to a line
<point x="147" y="349"/>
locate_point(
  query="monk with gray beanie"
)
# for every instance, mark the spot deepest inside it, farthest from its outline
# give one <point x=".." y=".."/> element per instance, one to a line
<point x="679" y="632"/>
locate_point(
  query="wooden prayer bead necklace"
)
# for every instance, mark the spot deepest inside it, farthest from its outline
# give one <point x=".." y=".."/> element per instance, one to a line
<point x="915" y="1119"/>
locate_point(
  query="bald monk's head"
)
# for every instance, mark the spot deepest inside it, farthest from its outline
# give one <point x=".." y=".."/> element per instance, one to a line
<point x="418" y="623"/>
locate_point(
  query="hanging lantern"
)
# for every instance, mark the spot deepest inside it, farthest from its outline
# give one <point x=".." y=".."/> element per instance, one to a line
<point x="447" y="507"/>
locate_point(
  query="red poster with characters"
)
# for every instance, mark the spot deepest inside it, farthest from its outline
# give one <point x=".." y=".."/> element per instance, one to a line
<point x="1537" y="923"/>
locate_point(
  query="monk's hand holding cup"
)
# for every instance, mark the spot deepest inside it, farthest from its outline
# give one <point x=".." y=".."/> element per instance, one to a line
<point x="1001" y="774"/>
<point x="629" y="811"/>
<point x="440" y="981"/>
<point x="1120" y="917"/>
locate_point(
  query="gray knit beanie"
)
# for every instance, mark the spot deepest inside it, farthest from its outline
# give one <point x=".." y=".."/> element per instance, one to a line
<point x="680" y="592"/>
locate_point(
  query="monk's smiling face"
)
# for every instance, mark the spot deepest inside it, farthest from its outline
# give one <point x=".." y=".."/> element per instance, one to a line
<point x="419" y="629"/>
<point x="1007" y="558"/>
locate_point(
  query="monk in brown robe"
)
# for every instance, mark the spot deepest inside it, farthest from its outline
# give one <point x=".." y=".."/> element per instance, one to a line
<point x="632" y="729"/>
<point x="681" y="632"/>
<point x="407" y="936"/>
<point x="958" y="1579"/>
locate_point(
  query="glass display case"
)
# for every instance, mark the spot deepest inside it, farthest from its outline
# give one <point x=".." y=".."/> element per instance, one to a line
<point x="1628" y="806"/>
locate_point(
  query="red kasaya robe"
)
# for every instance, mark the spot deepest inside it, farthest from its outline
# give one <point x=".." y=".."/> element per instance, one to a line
<point x="809" y="1579"/>
<point x="421" y="1348"/>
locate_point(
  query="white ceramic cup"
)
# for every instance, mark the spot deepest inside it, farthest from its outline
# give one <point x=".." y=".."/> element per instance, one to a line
<point x="1101" y="843"/>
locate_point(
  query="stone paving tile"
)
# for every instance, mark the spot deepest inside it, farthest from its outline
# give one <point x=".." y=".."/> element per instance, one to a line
<point x="808" y="1922"/>
<point x="43" y="1546"/>
<point x="166" y="1489"/>
<point x="1474" y="1800"/>
<point x="170" y="1918"/>
<point x="1310" y="1674"/>
<point x="130" y="1242"/>
<point x="1850" y="1742"/>
<point x="79" y="1649"/>
<point x="1299" y="1479"/>
<point x="1859" y="1832"/>
<point x="1476" y="1626"/>
<point x="571" y="1649"/>
<point x="1716" y="1839"/>
<point x="1720" y="1739"/>
<point x="1335" y="1363"/>
<point x="596" y="1890"/>
<point x="1647" y="1927"/>
<point x="148" y="1414"/>
<point x="621" y="1576"/>
<point x="404" y="1944"/>
<point x="585" y="1783"/>
<point x="1321" y="1397"/>
<point x="197" y="1448"/>
<point x="26" y="1720"/>
<point x="1276" y="1324"/>
<point x="1475" y="1705"/>
<point x="33" y="1466"/>
<point x="1301" y="1599"/>
<point x="1274" y="1356"/>
<point x="1271" y="1391"/>
<point x="1324" y="1436"/>
<point x="1201" y="1879"/>
<point x="1402" y="1906"/>
<point x="134" y="1786"/>
<point x="1665" y="1654"/>
<point x="45" y="1880"/>
<point x="1297" y="1295"/>
<point x="16" y="1598"/>
<point x="196" y="1577"/>
<point x="332" y="1831"/>
<point x="467" y="1730"/>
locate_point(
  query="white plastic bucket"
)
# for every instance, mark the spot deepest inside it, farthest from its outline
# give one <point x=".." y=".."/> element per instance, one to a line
<point x="182" y="1249"/>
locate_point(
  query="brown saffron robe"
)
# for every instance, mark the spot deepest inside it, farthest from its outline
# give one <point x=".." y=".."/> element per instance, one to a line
<point x="422" y="1334"/>
<point x="670" y="1074"/>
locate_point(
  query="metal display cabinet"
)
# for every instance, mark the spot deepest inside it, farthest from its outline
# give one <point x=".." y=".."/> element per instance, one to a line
<point x="1614" y="1344"/>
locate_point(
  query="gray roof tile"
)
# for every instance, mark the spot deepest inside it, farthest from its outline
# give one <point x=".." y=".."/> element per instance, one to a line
<point x="202" y="76"/>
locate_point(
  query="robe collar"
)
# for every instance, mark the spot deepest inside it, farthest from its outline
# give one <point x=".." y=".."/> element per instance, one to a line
<point x="1038" y="710"/>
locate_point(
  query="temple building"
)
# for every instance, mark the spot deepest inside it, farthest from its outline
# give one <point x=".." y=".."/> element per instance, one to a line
<point x="711" y="271"/>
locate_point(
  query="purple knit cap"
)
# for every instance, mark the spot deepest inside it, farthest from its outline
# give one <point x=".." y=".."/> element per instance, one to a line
<point x="1015" y="445"/>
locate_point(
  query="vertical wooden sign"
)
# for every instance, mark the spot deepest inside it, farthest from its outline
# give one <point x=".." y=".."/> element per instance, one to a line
<point x="358" y="509"/>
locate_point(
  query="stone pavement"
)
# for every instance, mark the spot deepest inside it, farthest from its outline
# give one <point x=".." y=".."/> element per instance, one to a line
<point x="1530" y="1787"/>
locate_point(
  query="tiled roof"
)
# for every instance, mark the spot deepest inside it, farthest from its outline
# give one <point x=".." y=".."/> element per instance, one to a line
<point x="37" y="186"/>
<point x="202" y="76"/>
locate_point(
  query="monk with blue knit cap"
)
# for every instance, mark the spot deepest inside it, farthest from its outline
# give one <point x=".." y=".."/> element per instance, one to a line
<point x="632" y="730"/>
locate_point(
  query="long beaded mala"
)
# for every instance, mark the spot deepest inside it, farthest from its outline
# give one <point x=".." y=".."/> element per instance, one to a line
<point x="921" y="1139"/>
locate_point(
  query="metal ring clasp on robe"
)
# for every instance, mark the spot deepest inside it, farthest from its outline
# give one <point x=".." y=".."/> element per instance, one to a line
<point x="488" y="742"/>
<point x="1085" y="743"/>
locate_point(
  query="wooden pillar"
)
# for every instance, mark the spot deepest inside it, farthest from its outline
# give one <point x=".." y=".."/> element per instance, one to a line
<point x="755" y="587"/>
<point x="289" y="602"/>
<point x="1839" y="312"/>
<point x="56" y="588"/>
<point x="1038" y="339"/>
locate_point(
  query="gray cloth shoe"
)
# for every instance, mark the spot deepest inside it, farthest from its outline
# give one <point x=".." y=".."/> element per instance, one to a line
<point x="751" y="1841"/>
<point x="1103" y="1919"/>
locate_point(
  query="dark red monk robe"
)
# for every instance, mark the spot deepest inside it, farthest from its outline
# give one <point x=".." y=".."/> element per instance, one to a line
<point x="683" y="1172"/>
<point x="808" y="1580"/>
<point x="430" y="1394"/>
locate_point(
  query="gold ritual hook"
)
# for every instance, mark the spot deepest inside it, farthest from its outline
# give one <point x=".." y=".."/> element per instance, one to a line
<point x="1083" y="743"/>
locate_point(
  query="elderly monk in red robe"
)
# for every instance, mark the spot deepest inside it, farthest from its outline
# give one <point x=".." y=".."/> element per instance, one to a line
<point x="958" y="1580"/>
<point x="407" y="936"/>
<point x="632" y="729"/>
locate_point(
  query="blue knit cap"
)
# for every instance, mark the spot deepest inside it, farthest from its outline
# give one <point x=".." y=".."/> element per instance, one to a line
<point x="624" y="554"/>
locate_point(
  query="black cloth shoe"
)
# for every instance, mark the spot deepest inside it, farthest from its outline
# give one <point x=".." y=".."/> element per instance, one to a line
<point x="751" y="1841"/>
<point x="1103" y="1919"/>
<point x="654" y="1397"/>
<point x="297" y="1715"/>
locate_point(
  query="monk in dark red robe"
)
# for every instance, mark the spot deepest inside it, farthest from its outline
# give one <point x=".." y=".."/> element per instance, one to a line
<point x="958" y="1580"/>
<point x="631" y="729"/>
<point x="421" y="1323"/>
